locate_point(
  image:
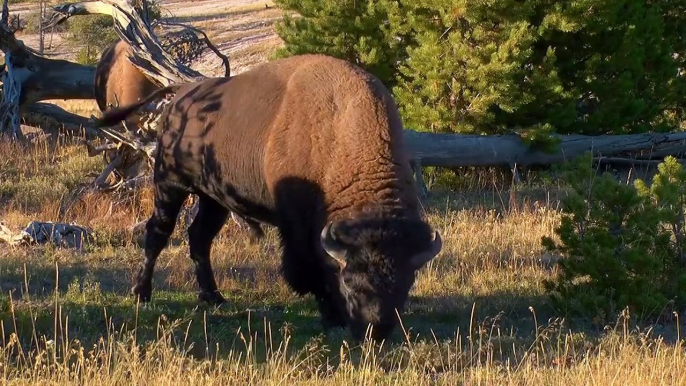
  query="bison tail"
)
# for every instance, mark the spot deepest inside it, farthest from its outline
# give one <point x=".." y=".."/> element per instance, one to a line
<point x="114" y="116"/>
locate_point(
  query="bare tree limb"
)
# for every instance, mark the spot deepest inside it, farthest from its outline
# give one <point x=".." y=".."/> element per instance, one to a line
<point x="100" y="181"/>
<point x="93" y="151"/>
<point x="224" y="58"/>
<point x="160" y="66"/>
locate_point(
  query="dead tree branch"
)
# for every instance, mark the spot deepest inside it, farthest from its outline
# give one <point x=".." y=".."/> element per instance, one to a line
<point x="206" y="40"/>
<point x="148" y="55"/>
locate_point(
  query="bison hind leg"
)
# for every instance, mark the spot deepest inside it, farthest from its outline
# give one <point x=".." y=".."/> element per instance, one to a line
<point x="158" y="230"/>
<point x="204" y="228"/>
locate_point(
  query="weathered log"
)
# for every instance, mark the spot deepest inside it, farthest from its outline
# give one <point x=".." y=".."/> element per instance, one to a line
<point x="452" y="150"/>
<point x="67" y="80"/>
<point x="38" y="232"/>
<point x="25" y="77"/>
<point x="36" y="114"/>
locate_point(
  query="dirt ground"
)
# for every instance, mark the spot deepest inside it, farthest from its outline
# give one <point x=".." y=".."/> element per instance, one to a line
<point x="242" y="29"/>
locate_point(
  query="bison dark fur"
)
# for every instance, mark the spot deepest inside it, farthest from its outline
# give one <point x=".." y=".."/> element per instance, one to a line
<point x="314" y="146"/>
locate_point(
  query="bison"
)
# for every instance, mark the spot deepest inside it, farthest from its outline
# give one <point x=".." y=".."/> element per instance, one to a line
<point x="119" y="83"/>
<point x="314" y="146"/>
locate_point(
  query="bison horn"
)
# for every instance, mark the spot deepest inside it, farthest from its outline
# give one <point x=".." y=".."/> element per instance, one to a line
<point x="424" y="257"/>
<point x="333" y="247"/>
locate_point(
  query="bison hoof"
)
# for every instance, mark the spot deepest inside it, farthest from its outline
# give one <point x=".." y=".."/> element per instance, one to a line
<point x="143" y="293"/>
<point x="211" y="297"/>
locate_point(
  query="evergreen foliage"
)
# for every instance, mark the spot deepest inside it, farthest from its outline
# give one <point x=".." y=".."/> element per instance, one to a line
<point x="623" y="245"/>
<point x="93" y="33"/>
<point x="532" y="67"/>
<point x="361" y="31"/>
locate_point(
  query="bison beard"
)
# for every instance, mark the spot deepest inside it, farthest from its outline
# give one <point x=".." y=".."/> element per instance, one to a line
<point x="314" y="146"/>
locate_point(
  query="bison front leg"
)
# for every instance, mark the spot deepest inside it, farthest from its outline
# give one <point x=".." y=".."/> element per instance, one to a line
<point x="205" y="227"/>
<point x="158" y="229"/>
<point x="301" y="267"/>
<point x="304" y="274"/>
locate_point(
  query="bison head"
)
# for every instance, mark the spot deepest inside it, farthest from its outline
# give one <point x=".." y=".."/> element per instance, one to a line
<point x="377" y="261"/>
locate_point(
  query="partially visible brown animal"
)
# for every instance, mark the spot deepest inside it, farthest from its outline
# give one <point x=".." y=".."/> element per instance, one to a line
<point x="119" y="83"/>
<point x="313" y="145"/>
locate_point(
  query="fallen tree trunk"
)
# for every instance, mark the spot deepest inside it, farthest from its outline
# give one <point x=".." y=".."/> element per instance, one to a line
<point x="38" y="115"/>
<point x="43" y="79"/>
<point x="453" y="150"/>
<point x="28" y="77"/>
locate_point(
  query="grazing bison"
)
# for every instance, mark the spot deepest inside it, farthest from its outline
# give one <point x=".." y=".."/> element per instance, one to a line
<point x="314" y="146"/>
<point x="119" y="83"/>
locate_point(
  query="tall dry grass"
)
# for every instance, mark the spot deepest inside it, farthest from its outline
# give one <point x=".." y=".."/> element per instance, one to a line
<point x="478" y="313"/>
<point x="619" y="358"/>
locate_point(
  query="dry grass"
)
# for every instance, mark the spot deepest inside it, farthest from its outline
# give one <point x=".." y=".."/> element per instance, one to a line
<point x="83" y="107"/>
<point x="478" y="313"/>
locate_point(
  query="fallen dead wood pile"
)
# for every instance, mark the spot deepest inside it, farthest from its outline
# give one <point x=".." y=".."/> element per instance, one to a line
<point x="38" y="232"/>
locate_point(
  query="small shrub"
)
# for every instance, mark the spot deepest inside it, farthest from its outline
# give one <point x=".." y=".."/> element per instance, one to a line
<point x="87" y="56"/>
<point x="623" y="245"/>
<point x="93" y="34"/>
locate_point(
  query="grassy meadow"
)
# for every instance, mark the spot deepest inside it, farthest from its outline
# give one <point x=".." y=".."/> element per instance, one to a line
<point x="478" y="314"/>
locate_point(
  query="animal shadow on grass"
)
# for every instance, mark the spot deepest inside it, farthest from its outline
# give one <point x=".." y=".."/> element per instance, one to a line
<point x="445" y="316"/>
<point x="88" y="314"/>
<point x="94" y="303"/>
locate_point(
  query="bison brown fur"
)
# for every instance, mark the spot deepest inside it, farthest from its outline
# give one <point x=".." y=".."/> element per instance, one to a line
<point x="314" y="146"/>
<point x="117" y="81"/>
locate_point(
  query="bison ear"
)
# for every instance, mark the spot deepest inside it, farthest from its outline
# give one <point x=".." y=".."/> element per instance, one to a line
<point x="332" y="246"/>
<point x="422" y="258"/>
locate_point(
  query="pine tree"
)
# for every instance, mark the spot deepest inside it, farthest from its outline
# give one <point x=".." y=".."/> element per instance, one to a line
<point x="623" y="245"/>
<point x="360" y="31"/>
<point x="533" y="67"/>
